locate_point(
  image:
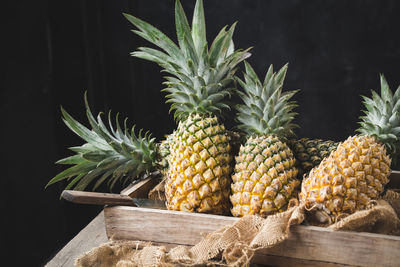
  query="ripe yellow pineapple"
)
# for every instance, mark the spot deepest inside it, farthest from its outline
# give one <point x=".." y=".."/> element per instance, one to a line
<point x="264" y="177"/>
<point x="357" y="171"/>
<point x="198" y="178"/>
<point x="199" y="167"/>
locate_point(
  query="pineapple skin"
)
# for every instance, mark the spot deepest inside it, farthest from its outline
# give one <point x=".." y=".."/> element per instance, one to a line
<point x="200" y="165"/>
<point x="310" y="152"/>
<point x="265" y="177"/>
<point x="353" y="175"/>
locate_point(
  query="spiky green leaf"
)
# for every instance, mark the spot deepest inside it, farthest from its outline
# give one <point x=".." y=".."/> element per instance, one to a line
<point x="266" y="109"/>
<point x="115" y="153"/>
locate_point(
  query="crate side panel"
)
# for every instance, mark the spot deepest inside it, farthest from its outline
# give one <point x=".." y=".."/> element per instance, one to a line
<point x="351" y="248"/>
<point x="314" y="244"/>
<point x="161" y="225"/>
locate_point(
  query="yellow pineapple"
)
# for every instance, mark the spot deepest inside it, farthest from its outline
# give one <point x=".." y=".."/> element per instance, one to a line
<point x="199" y="167"/>
<point x="199" y="79"/>
<point x="264" y="177"/>
<point x="357" y="171"/>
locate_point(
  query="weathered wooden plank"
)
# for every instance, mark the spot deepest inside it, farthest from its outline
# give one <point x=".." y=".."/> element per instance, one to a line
<point x="305" y="242"/>
<point x="271" y="260"/>
<point x="142" y="187"/>
<point x="93" y="235"/>
<point x="160" y="225"/>
<point x="343" y="247"/>
<point x="96" y="198"/>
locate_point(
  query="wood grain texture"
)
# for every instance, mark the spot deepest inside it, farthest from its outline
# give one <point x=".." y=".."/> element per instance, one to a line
<point x="141" y="188"/>
<point x="96" y="198"/>
<point x="160" y="225"/>
<point x="271" y="260"/>
<point x="308" y="243"/>
<point x="347" y="248"/>
<point x="93" y="235"/>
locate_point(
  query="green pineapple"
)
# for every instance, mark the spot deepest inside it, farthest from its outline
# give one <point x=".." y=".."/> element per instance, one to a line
<point x="310" y="152"/>
<point x="264" y="177"/>
<point x="199" y="79"/>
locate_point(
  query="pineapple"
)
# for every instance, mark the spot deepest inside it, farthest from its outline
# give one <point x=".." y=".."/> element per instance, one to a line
<point x="264" y="178"/>
<point x="163" y="152"/>
<point x="198" y="82"/>
<point x="357" y="171"/>
<point x="108" y="155"/>
<point x="310" y="152"/>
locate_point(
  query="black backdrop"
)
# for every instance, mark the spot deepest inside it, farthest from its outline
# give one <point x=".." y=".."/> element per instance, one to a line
<point x="56" y="50"/>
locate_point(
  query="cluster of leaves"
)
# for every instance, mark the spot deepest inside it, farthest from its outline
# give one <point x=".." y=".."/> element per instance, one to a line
<point x="199" y="78"/>
<point x="266" y="109"/>
<point x="382" y="117"/>
<point x="108" y="155"/>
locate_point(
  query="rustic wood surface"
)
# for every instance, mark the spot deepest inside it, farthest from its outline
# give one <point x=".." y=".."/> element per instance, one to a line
<point x="90" y="237"/>
<point x="141" y="188"/>
<point x="311" y="246"/>
<point x="95" y="198"/>
<point x="160" y="225"/>
<point x="347" y="248"/>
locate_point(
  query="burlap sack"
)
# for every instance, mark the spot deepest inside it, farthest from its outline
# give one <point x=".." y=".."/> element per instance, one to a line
<point x="235" y="245"/>
<point x="123" y="254"/>
<point x="158" y="192"/>
<point x="393" y="197"/>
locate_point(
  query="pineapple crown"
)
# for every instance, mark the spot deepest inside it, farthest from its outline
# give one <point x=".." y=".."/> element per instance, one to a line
<point x="199" y="77"/>
<point x="107" y="155"/>
<point x="266" y="110"/>
<point x="382" y="117"/>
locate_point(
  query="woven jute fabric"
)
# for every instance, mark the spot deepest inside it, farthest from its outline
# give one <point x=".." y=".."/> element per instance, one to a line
<point x="235" y="245"/>
<point x="158" y="192"/>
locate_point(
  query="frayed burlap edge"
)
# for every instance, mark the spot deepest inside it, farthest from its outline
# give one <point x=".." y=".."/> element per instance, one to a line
<point x="379" y="218"/>
<point x="123" y="254"/>
<point x="236" y="244"/>
<point x="158" y="192"/>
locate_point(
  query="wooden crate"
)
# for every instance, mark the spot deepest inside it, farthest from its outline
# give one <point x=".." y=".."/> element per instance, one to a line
<point x="306" y="245"/>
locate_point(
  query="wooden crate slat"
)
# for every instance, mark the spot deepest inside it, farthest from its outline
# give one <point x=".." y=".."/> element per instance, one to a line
<point x="141" y="188"/>
<point x="161" y="225"/>
<point x="344" y="247"/>
<point x="271" y="260"/>
<point x="307" y="243"/>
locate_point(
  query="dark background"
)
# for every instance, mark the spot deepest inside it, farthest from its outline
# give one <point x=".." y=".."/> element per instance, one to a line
<point x="55" y="50"/>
